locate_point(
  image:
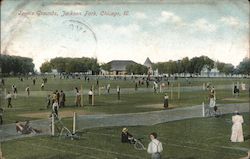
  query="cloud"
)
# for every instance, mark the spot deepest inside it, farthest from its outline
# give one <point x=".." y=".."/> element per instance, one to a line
<point x="127" y="30"/>
<point x="140" y="15"/>
<point x="231" y="21"/>
<point x="169" y="17"/>
<point x="204" y="25"/>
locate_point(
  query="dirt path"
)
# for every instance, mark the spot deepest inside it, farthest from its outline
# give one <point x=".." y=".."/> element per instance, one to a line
<point x="7" y="132"/>
<point x="63" y="114"/>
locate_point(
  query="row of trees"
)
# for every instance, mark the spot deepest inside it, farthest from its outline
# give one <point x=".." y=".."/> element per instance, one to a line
<point x="194" y="65"/>
<point x="23" y="65"/>
<point x="16" y="65"/>
<point x="70" y="65"/>
<point x="185" y="65"/>
<point x="243" y="67"/>
<point x="136" y="69"/>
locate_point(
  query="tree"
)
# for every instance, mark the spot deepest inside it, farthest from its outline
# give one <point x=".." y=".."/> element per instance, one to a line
<point x="225" y="67"/>
<point x="185" y="64"/>
<point x="16" y="65"/>
<point x="59" y="63"/>
<point x="71" y="65"/>
<point x="228" y="69"/>
<point x="244" y="66"/>
<point x="136" y="69"/>
<point x="197" y="63"/>
<point x="46" y="67"/>
<point x="106" y="67"/>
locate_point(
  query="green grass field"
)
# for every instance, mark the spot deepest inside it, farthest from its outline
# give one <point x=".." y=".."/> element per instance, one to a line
<point x="131" y="100"/>
<point x="200" y="138"/>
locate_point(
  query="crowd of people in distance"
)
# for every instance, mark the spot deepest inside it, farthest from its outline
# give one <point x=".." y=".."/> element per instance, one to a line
<point x="61" y="98"/>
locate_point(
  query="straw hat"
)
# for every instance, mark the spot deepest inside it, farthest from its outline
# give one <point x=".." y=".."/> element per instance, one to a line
<point x="124" y="130"/>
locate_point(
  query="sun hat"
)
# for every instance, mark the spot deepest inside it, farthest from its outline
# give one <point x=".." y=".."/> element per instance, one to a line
<point x="124" y="130"/>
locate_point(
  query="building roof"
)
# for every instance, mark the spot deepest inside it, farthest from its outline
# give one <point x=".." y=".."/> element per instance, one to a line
<point x="148" y="63"/>
<point x="120" y="65"/>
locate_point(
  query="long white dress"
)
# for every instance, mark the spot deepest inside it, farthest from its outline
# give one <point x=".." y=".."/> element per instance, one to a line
<point x="237" y="132"/>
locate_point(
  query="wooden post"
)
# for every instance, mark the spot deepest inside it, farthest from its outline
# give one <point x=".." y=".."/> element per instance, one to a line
<point x="53" y="125"/>
<point x="179" y="91"/>
<point x="93" y="96"/>
<point x="74" y="123"/>
<point x="81" y="96"/>
<point x="233" y="89"/>
<point x="203" y="109"/>
<point x="99" y="90"/>
<point x="172" y="91"/>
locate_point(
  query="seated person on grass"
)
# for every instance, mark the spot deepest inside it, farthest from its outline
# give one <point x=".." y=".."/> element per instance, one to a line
<point x="26" y="128"/>
<point x="126" y="137"/>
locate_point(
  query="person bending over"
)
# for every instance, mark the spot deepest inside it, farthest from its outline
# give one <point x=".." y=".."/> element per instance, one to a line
<point x="126" y="137"/>
<point x="26" y="128"/>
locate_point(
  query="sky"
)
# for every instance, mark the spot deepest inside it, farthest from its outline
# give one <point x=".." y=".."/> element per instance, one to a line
<point x="131" y="30"/>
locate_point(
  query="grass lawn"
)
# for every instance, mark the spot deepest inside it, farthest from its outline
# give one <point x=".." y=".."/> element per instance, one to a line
<point x="131" y="101"/>
<point x="198" y="138"/>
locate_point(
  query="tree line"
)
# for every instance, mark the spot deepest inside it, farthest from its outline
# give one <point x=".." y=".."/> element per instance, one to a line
<point x="16" y="65"/>
<point x="243" y="67"/>
<point x="136" y="69"/>
<point x="196" y="64"/>
<point x="69" y="65"/>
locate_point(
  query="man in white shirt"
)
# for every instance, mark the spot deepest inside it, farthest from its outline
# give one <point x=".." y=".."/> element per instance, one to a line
<point x="155" y="87"/>
<point x="155" y="147"/>
<point x="90" y="96"/>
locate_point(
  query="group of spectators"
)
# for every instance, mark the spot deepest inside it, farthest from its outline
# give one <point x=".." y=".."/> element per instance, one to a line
<point x="56" y="100"/>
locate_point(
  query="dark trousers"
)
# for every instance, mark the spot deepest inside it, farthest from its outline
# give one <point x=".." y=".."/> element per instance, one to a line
<point x="56" y="111"/>
<point x="1" y="120"/>
<point x="165" y="103"/>
<point x="118" y="95"/>
<point x="61" y="104"/>
<point x="48" y="105"/>
<point x="9" y="103"/>
<point x="156" y="156"/>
